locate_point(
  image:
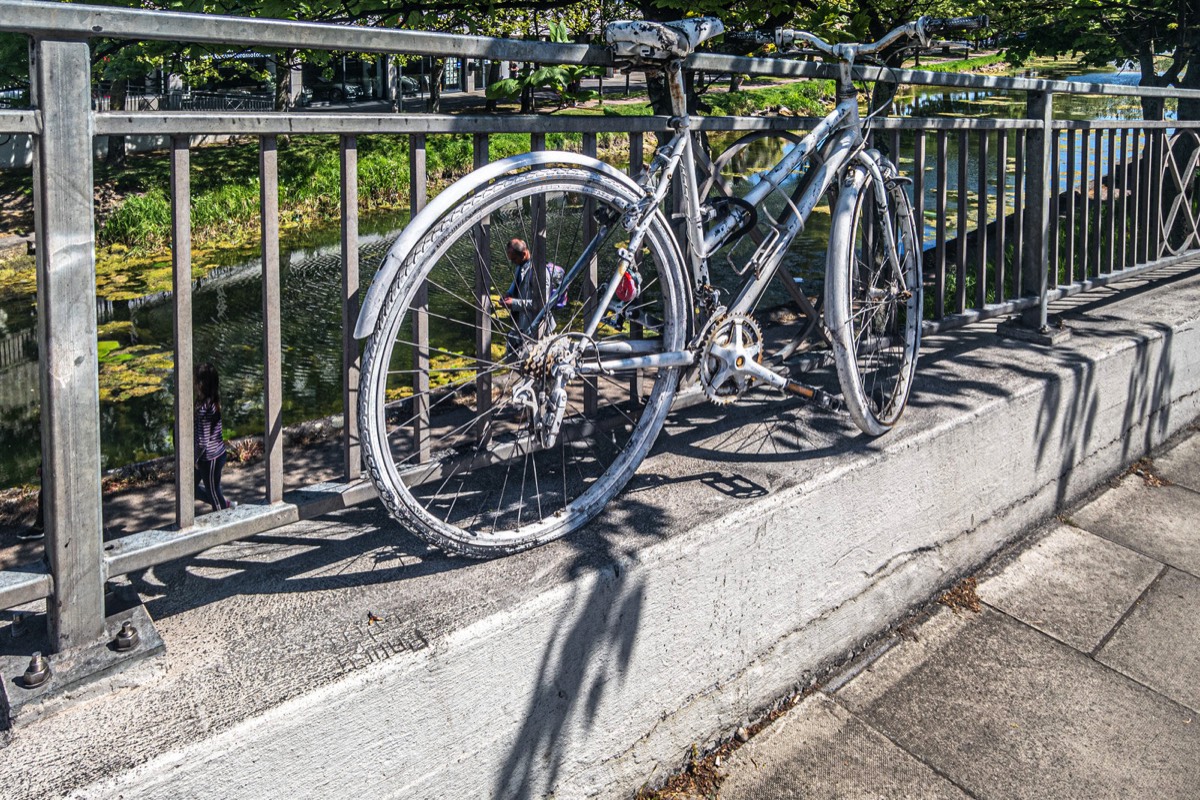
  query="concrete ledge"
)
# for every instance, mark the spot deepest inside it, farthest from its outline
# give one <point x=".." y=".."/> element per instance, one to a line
<point x="142" y="550"/>
<point x="753" y="550"/>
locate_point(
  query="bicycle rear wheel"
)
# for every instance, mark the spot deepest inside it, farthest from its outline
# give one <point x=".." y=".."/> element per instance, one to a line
<point x="454" y="393"/>
<point x="873" y="298"/>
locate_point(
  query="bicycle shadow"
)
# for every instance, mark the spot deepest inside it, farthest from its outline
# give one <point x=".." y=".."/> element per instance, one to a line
<point x="590" y="659"/>
<point x="758" y="430"/>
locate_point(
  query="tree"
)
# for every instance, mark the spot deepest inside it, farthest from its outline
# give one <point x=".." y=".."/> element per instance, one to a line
<point x="1147" y="31"/>
<point x="118" y="60"/>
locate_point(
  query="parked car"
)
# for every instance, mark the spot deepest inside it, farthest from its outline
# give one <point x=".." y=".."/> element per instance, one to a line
<point x="409" y="85"/>
<point x="330" y="91"/>
<point x="366" y="89"/>
<point x="14" y="97"/>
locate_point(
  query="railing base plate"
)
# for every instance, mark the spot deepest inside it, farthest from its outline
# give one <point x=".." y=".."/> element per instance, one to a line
<point x="71" y="670"/>
<point x="1052" y="334"/>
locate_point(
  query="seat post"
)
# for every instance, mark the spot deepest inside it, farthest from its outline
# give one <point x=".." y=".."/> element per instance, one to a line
<point x="677" y="86"/>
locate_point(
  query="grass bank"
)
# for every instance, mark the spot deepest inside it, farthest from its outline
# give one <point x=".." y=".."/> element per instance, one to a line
<point x="988" y="63"/>
<point x="225" y="184"/>
<point x="225" y="180"/>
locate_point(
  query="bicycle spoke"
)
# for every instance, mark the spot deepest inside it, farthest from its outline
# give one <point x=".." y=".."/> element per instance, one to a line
<point x="471" y="464"/>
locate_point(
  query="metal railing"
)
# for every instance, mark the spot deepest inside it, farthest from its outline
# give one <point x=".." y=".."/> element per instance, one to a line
<point x="1067" y="230"/>
<point x="192" y="100"/>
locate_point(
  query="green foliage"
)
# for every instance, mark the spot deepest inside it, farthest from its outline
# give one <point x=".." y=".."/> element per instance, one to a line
<point x="1105" y="31"/>
<point x="142" y="220"/>
<point x="18" y="277"/>
<point x="134" y="371"/>
<point x="561" y="79"/>
<point x="807" y="98"/>
<point x="127" y="369"/>
<point x="105" y="349"/>
<point x="14" y="60"/>
<point x="965" y="64"/>
<point x="628" y="110"/>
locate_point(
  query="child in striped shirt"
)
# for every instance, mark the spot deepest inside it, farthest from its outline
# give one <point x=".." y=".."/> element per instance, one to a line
<point x="210" y="442"/>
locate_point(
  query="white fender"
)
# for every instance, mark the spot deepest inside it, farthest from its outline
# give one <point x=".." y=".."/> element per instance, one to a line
<point x="450" y="197"/>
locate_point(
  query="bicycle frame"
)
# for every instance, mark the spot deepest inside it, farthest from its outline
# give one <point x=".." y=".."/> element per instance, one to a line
<point x="837" y="139"/>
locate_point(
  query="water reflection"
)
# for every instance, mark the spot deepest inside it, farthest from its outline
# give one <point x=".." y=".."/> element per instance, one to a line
<point x="227" y="330"/>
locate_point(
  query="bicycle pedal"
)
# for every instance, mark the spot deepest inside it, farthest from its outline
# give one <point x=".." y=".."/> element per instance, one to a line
<point x="816" y="396"/>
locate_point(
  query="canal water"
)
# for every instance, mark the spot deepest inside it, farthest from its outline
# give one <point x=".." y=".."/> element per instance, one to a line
<point x="136" y="334"/>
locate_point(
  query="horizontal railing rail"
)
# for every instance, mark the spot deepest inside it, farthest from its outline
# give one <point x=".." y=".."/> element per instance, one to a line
<point x="20" y="121"/>
<point x="1044" y="208"/>
<point x="36" y="17"/>
<point x="784" y="68"/>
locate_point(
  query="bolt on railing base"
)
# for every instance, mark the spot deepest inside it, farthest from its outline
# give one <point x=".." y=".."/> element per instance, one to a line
<point x="21" y="704"/>
<point x="1053" y="333"/>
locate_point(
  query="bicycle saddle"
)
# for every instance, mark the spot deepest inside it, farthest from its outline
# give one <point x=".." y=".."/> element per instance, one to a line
<point x="638" y="41"/>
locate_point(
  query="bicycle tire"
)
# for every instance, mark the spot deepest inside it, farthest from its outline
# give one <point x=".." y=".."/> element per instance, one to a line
<point x="608" y="439"/>
<point x="873" y="307"/>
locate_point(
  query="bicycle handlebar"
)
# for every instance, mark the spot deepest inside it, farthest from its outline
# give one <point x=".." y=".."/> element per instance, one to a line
<point x="747" y="37"/>
<point x="786" y="37"/>
<point x="933" y="24"/>
<point x="919" y="30"/>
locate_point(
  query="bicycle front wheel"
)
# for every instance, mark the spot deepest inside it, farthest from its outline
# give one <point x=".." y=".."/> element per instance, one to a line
<point x="873" y="298"/>
<point x="461" y="389"/>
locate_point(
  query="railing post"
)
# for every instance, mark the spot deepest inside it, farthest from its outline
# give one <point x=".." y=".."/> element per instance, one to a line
<point x="268" y="161"/>
<point x="481" y="148"/>
<point x="591" y="276"/>
<point x="70" y="393"/>
<point x="351" y="447"/>
<point x="181" y="263"/>
<point x="1157" y="180"/>
<point x="420" y="355"/>
<point x="1036" y="228"/>
<point x="538" y="221"/>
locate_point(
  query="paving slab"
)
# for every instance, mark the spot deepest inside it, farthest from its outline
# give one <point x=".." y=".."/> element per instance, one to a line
<point x="821" y="750"/>
<point x="1005" y="711"/>
<point x="1181" y="464"/>
<point x="1158" y="644"/>
<point x="1162" y="522"/>
<point x="1071" y="585"/>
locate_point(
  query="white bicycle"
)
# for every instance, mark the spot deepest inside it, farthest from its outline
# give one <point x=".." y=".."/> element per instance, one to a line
<point x="508" y="394"/>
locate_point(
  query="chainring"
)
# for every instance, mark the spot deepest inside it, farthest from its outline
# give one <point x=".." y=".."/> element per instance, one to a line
<point x="732" y="340"/>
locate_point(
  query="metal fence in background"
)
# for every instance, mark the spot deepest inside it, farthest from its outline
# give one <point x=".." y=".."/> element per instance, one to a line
<point x="191" y="100"/>
<point x="1034" y="226"/>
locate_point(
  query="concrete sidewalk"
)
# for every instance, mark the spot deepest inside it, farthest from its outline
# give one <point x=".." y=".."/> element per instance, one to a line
<point x="1078" y="676"/>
